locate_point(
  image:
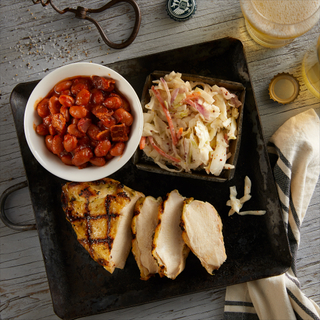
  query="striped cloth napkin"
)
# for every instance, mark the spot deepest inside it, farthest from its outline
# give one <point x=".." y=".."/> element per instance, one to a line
<point x="295" y="159"/>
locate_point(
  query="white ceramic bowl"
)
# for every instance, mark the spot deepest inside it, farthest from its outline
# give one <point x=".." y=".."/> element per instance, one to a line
<point x="36" y="142"/>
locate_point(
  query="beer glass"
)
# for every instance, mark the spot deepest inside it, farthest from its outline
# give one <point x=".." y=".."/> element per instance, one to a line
<point x="275" y="23"/>
<point x="311" y="69"/>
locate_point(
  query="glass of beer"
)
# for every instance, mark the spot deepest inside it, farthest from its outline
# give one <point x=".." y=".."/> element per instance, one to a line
<point x="311" y="69"/>
<point x="275" y="23"/>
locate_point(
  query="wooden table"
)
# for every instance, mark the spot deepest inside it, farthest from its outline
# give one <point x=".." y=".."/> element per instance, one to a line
<point x="36" y="40"/>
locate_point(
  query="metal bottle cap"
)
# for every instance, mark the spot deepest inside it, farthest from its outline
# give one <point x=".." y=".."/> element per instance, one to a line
<point x="181" y="10"/>
<point x="284" y="88"/>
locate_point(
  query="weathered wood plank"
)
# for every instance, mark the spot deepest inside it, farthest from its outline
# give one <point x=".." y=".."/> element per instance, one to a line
<point x="35" y="40"/>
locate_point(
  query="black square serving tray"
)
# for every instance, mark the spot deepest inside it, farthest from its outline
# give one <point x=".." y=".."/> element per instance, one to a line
<point x="256" y="246"/>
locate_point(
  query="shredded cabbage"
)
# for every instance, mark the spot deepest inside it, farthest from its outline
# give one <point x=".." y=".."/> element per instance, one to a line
<point x="236" y="204"/>
<point x="191" y="122"/>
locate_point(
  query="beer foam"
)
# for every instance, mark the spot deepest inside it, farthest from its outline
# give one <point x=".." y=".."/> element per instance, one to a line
<point x="285" y="11"/>
<point x="282" y="18"/>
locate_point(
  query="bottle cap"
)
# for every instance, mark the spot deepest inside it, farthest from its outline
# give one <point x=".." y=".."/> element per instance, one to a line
<point x="181" y="10"/>
<point x="284" y="88"/>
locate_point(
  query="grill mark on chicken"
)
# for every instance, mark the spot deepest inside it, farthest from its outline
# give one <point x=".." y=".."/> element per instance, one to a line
<point x="73" y="184"/>
<point x="88" y="232"/>
<point x="135" y="211"/>
<point x="182" y="226"/>
<point x="99" y="182"/>
<point x="85" y="193"/>
<point x="161" y="208"/>
<point x="108" y="204"/>
<point x="69" y="214"/>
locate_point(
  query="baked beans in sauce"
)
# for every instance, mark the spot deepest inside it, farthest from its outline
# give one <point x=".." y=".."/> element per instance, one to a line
<point x="85" y="121"/>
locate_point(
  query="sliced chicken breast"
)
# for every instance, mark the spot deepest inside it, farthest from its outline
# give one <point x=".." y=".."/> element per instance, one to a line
<point x="100" y="213"/>
<point x="169" y="248"/>
<point x="202" y="232"/>
<point x="143" y="226"/>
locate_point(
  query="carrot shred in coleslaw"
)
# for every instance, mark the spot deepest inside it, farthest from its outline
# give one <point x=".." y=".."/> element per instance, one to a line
<point x="161" y="152"/>
<point x="167" y="113"/>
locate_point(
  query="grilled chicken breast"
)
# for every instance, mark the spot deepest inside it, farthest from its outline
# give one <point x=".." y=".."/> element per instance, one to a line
<point x="169" y="248"/>
<point x="143" y="226"/>
<point x="202" y="232"/>
<point x="100" y="213"/>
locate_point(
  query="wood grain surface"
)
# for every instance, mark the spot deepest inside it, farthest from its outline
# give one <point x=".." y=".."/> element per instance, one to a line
<point x="35" y="40"/>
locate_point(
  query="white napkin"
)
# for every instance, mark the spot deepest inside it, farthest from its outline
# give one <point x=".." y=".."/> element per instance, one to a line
<point x="296" y="148"/>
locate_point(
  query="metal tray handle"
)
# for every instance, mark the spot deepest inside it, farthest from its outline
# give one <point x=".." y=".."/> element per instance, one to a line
<point x="3" y="216"/>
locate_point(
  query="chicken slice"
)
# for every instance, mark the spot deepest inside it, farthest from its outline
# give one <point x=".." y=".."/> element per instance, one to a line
<point x="100" y="213"/>
<point x="202" y="232"/>
<point x="143" y="226"/>
<point x="169" y="248"/>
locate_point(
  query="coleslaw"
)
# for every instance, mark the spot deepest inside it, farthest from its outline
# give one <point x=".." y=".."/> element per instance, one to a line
<point x="188" y="125"/>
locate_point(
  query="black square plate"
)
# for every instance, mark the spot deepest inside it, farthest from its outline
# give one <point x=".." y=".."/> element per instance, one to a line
<point x="256" y="246"/>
